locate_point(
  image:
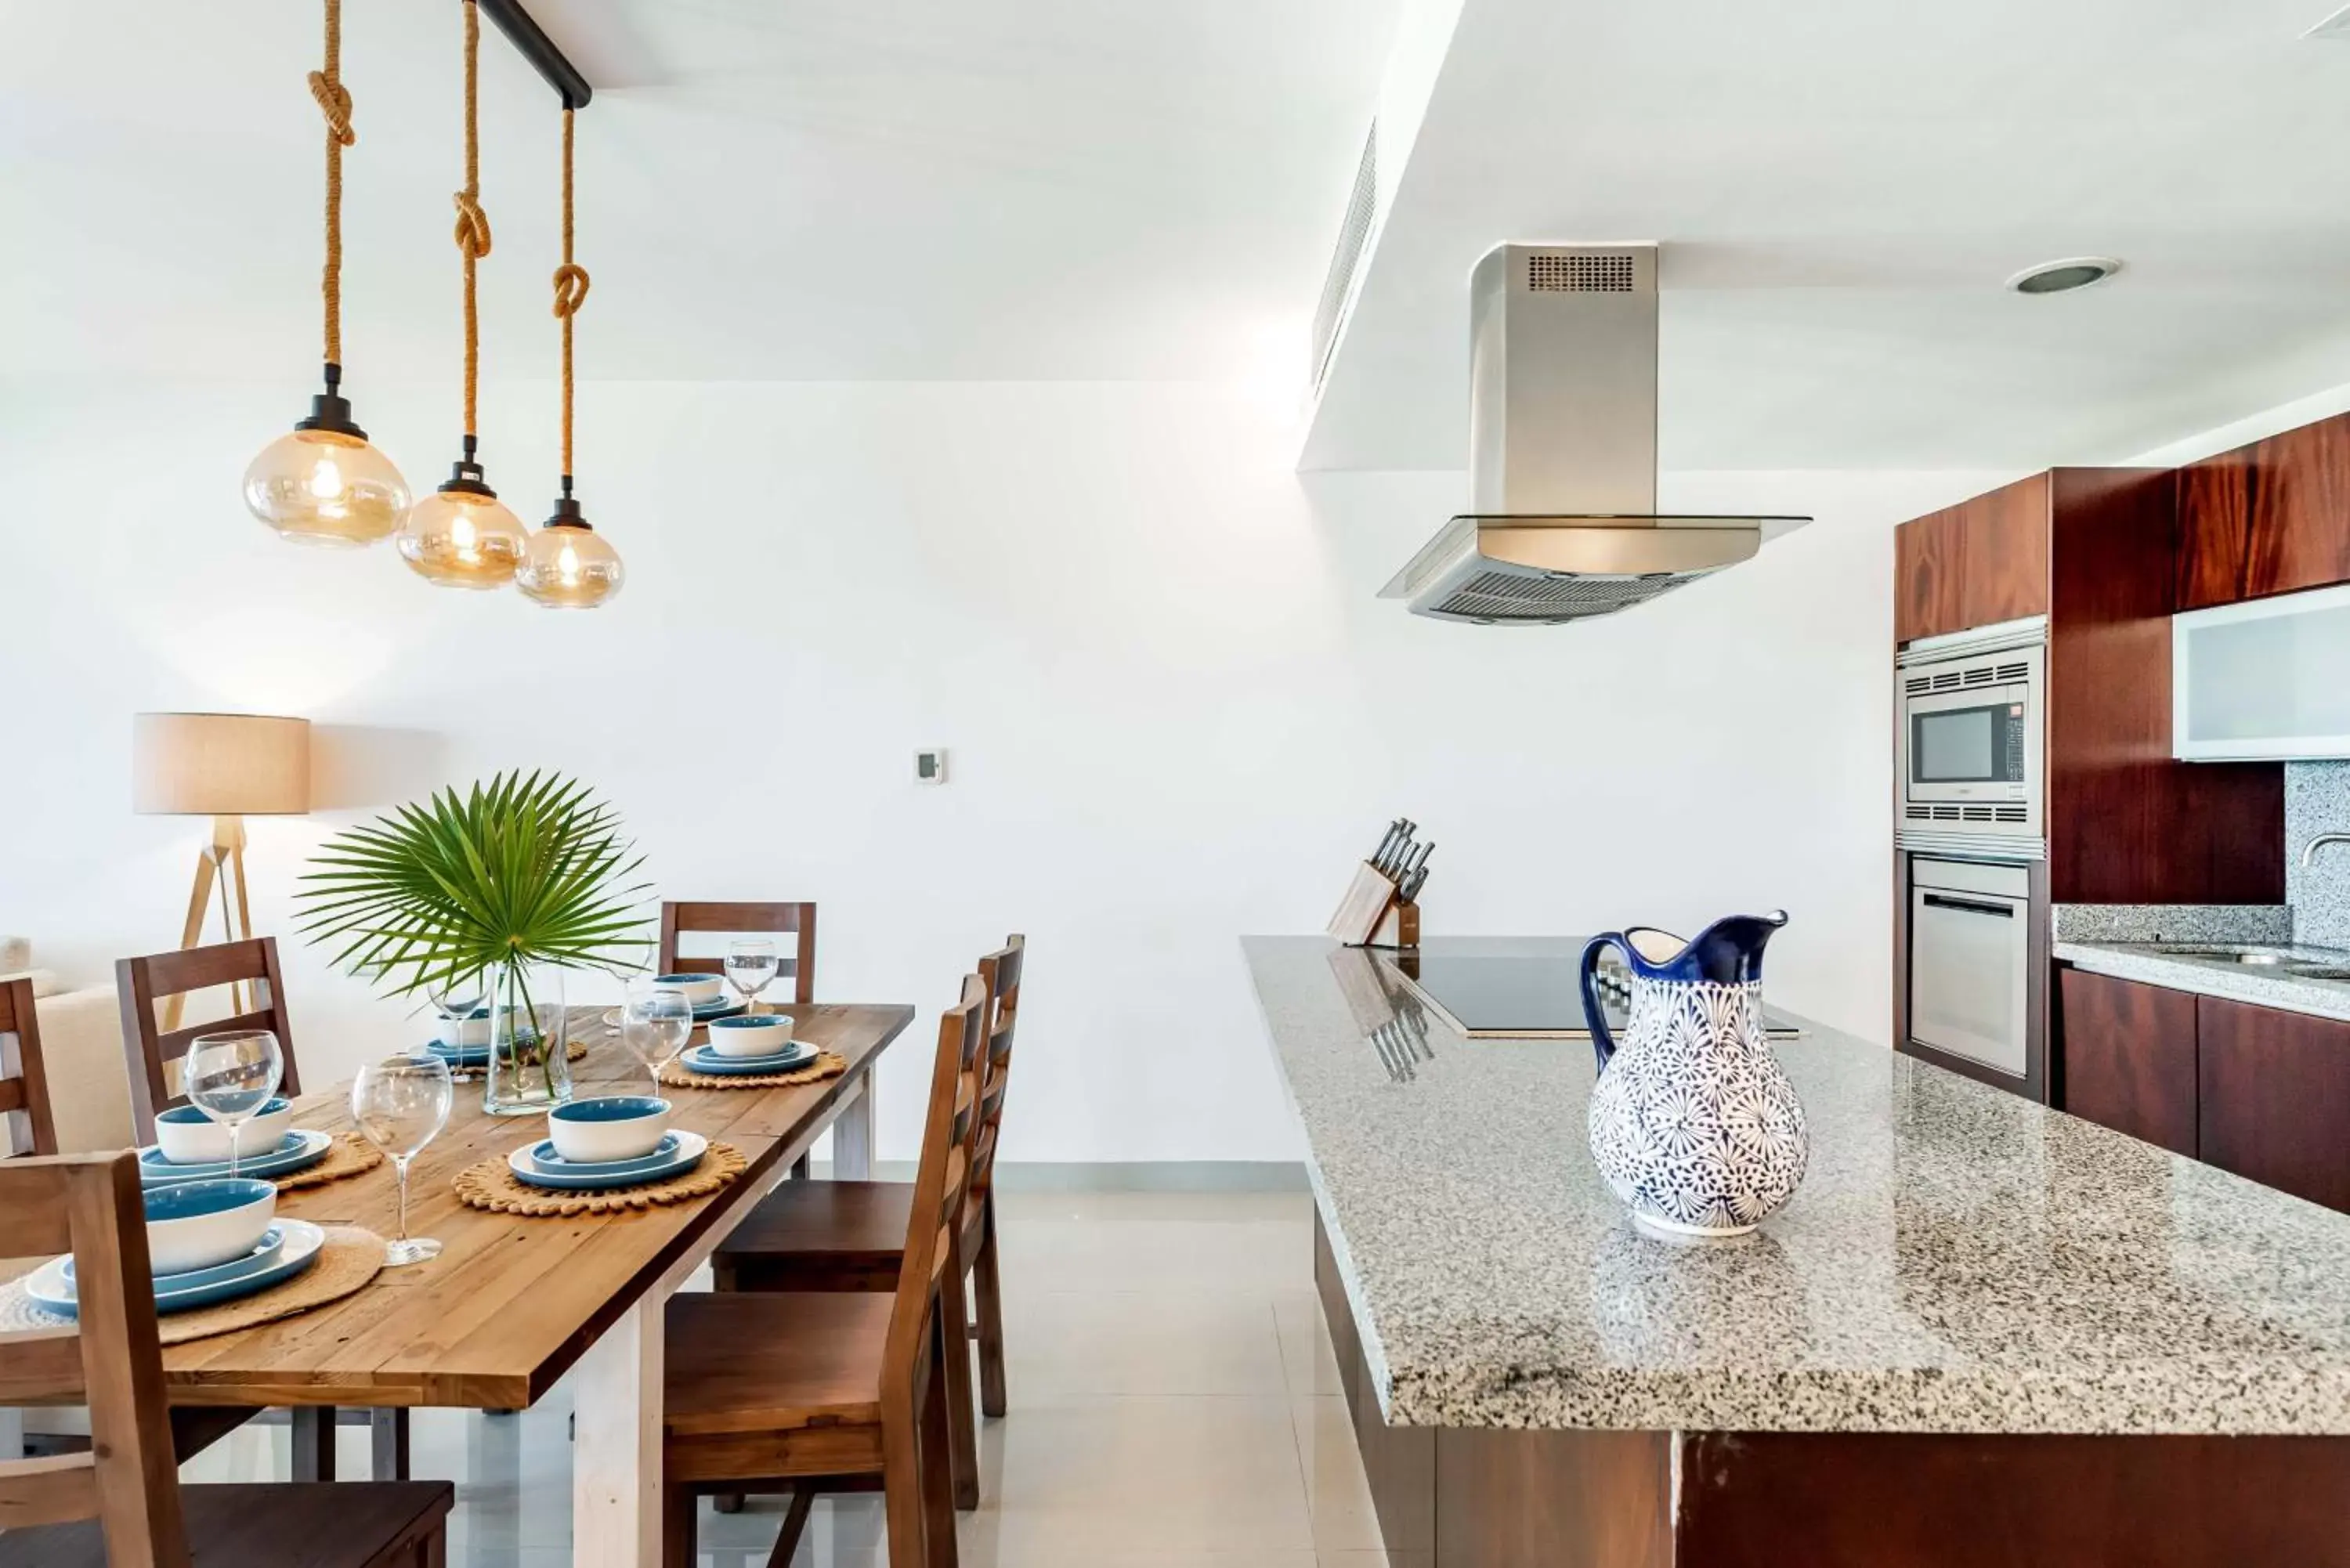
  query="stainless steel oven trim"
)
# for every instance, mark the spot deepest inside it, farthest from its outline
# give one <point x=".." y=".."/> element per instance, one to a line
<point x="2002" y="892"/>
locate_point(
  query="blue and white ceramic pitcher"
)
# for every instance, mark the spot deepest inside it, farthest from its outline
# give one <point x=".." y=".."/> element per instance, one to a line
<point x="1693" y="1123"/>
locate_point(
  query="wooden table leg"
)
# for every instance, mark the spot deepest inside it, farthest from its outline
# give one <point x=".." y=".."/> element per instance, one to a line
<point x="616" y="1456"/>
<point x="852" y="1134"/>
<point x="314" y="1442"/>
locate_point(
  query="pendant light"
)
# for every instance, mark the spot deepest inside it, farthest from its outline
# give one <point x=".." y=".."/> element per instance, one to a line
<point x="323" y="483"/>
<point x="568" y="565"/>
<point x="462" y="536"/>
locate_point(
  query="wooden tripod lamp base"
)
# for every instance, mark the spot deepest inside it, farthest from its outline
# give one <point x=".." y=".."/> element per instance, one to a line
<point x="226" y="766"/>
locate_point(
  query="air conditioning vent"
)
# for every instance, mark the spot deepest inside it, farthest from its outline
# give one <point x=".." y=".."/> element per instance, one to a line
<point x="1579" y="273"/>
<point x="1354" y="232"/>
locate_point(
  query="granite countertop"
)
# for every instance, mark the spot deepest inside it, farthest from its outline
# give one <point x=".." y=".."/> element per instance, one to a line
<point x="1958" y="1259"/>
<point x="2221" y="974"/>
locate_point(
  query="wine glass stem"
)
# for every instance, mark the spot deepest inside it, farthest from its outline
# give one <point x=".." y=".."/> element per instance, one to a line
<point x="399" y="1173"/>
<point x="231" y="1148"/>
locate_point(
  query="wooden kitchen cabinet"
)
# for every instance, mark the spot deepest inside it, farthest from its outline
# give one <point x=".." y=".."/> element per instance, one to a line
<point x="1982" y="561"/>
<point x="2273" y="1097"/>
<point x="2268" y="518"/>
<point x="2128" y="1055"/>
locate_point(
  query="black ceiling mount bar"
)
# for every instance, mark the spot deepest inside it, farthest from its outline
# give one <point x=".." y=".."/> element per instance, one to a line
<point x="539" y="50"/>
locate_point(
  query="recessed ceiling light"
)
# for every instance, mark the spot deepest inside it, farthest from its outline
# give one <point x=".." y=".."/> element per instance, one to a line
<point x="2057" y="276"/>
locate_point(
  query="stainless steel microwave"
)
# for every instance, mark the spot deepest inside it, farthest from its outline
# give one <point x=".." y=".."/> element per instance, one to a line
<point x="1972" y="738"/>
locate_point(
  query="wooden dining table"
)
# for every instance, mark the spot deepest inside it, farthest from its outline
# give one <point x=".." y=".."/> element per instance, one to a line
<point x="512" y="1303"/>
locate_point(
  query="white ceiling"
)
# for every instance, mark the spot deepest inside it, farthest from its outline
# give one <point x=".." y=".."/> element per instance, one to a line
<point x="770" y="189"/>
<point x="1841" y="187"/>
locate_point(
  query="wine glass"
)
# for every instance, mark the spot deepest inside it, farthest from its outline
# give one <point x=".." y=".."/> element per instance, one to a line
<point x="400" y="1103"/>
<point x="231" y="1075"/>
<point x="455" y="997"/>
<point x="750" y="965"/>
<point x="656" y="1021"/>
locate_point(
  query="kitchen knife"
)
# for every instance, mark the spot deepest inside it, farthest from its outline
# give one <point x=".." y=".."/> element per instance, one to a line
<point x="1379" y="855"/>
<point x="1399" y="857"/>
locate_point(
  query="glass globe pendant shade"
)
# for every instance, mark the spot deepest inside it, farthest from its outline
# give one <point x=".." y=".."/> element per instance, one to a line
<point x="462" y="536"/>
<point x="568" y="566"/>
<point x="322" y="484"/>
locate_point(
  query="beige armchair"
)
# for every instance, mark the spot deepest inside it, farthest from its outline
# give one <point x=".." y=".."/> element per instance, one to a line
<point x="89" y="1084"/>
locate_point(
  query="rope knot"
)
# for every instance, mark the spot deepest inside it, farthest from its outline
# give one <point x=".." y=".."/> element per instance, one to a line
<point x="335" y="102"/>
<point x="570" y="289"/>
<point x="472" y="225"/>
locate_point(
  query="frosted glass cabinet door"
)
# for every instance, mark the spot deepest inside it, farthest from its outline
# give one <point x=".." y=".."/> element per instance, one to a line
<point x="2267" y="678"/>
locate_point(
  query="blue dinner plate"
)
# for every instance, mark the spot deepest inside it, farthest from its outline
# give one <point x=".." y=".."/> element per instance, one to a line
<point x="300" y="1149"/>
<point x="720" y="1008"/>
<point x="545" y="1154"/>
<point x="49" y="1288"/>
<point x="264" y="1253"/>
<point x="691" y="1148"/>
<point x="702" y="1059"/>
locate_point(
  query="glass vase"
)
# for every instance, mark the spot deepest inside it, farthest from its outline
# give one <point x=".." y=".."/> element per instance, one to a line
<point x="530" y="1046"/>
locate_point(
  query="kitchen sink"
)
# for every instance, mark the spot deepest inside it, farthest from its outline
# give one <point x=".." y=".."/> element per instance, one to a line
<point x="2261" y="956"/>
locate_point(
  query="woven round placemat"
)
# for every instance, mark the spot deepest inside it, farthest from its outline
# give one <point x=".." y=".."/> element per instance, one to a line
<point x="350" y="1258"/>
<point x="492" y="1185"/>
<point x="579" y="1048"/>
<point x="348" y="1154"/>
<point x="678" y="1076"/>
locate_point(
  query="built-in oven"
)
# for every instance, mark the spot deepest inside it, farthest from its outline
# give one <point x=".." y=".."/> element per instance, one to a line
<point x="1970" y="964"/>
<point x="1972" y="739"/>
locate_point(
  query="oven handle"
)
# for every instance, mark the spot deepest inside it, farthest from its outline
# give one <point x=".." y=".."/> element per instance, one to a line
<point x="1944" y="901"/>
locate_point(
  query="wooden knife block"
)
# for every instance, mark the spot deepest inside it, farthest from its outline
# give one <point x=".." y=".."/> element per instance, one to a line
<point x="1374" y="914"/>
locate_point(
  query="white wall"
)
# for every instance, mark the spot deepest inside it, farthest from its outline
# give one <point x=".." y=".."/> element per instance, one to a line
<point x="1175" y="711"/>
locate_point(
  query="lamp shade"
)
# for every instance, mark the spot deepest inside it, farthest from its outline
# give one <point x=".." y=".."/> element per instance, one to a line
<point x="220" y="764"/>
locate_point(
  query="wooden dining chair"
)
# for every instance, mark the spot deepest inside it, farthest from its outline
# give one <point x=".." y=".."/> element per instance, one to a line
<point x="249" y="968"/>
<point x="121" y="1503"/>
<point x="25" y="1125"/>
<point x="847" y="1235"/>
<point x="154" y="1053"/>
<point x="795" y="920"/>
<point x="772" y="1392"/>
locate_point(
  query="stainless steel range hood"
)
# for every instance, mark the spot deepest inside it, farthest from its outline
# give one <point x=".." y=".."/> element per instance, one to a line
<point x="1562" y="522"/>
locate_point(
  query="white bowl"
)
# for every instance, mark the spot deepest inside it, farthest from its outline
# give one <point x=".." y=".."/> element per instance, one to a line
<point x="702" y="990"/>
<point x="197" y="1224"/>
<point x="474" y="1029"/>
<point x="745" y="1035"/>
<point x="615" y="1127"/>
<point x="188" y="1136"/>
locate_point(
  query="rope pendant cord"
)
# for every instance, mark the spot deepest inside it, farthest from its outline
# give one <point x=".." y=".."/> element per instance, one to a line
<point x="472" y="225"/>
<point x="570" y="293"/>
<point x="334" y="101"/>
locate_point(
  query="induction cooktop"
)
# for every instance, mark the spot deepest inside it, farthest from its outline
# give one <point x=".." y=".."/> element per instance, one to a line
<point x="1525" y="996"/>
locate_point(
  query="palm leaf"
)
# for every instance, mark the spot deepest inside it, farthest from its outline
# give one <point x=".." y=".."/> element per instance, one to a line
<point x="514" y="871"/>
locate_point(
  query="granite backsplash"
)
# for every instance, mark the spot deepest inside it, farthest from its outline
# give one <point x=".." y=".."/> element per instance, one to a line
<point x="2317" y="800"/>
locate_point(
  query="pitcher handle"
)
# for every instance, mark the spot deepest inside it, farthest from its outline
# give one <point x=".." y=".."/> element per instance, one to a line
<point x="1603" y="1042"/>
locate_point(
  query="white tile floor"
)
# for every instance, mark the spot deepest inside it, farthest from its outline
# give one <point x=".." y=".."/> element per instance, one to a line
<point x="1174" y="1405"/>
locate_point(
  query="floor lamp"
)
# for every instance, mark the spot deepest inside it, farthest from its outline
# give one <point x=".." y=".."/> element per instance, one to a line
<point x="226" y="766"/>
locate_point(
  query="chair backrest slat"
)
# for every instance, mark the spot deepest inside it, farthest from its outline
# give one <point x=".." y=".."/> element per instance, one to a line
<point x="128" y="1481"/>
<point x="941" y="1182"/>
<point x="141" y="982"/>
<point x="25" y="1125"/>
<point x="1001" y="970"/>
<point x="743" y="919"/>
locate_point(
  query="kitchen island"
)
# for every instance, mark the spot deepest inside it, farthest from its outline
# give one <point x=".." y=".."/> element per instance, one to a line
<point x="1982" y="1332"/>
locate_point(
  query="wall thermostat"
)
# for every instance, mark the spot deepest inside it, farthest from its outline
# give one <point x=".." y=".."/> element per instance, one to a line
<point x="930" y="766"/>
